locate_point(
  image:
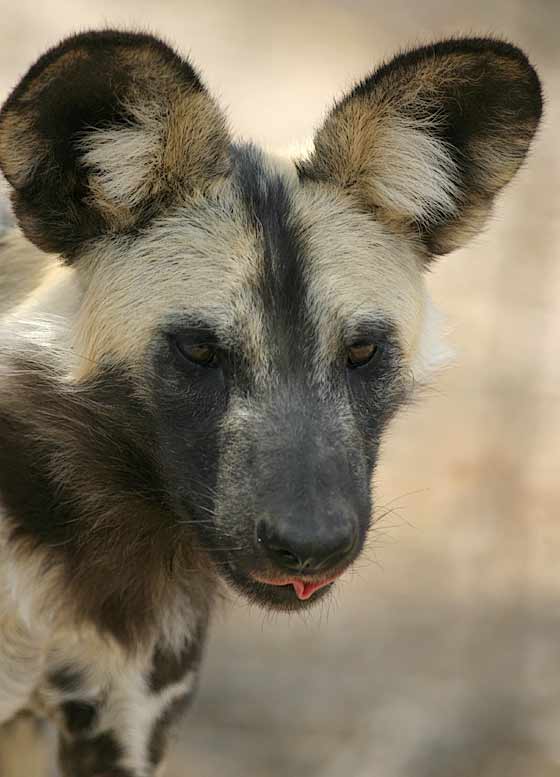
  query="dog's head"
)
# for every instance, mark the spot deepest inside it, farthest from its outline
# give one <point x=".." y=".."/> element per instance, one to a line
<point x="271" y="317"/>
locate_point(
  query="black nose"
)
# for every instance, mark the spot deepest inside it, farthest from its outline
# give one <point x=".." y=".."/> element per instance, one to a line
<point x="295" y="550"/>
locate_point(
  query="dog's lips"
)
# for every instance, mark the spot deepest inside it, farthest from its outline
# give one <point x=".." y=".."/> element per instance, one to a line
<point x="304" y="589"/>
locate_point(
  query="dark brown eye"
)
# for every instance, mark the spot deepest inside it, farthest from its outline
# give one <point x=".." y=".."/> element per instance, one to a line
<point x="361" y="354"/>
<point x="202" y="354"/>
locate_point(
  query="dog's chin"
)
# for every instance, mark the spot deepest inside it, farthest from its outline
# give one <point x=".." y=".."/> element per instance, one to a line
<point x="276" y="598"/>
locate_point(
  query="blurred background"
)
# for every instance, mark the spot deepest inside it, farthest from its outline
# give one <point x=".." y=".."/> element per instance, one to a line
<point x="440" y="654"/>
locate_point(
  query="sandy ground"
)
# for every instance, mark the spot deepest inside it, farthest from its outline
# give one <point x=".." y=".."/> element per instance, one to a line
<point x="439" y="656"/>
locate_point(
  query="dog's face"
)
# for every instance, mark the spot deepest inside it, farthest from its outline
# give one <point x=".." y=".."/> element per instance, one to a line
<point x="274" y="371"/>
<point x="272" y="317"/>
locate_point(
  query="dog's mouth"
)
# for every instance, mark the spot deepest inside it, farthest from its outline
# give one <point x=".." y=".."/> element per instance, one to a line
<point x="303" y="589"/>
<point x="288" y="594"/>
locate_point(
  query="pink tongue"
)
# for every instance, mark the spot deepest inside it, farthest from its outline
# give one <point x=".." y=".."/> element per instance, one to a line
<point x="306" y="590"/>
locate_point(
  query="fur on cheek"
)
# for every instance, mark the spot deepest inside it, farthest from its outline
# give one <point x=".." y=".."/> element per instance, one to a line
<point x="97" y="513"/>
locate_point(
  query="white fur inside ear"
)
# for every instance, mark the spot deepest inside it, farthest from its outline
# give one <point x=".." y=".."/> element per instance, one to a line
<point x="414" y="174"/>
<point x="434" y="353"/>
<point x="123" y="160"/>
<point x="172" y="143"/>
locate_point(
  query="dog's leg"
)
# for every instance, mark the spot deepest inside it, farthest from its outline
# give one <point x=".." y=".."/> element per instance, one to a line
<point x="126" y="735"/>
<point x="123" y="732"/>
<point x="24" y="750"/>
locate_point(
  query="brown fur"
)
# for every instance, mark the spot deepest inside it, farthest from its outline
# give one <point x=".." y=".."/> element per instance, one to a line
<point x="470" y="108"/>
<point x="64" y="191"/>
<point x="108" y="520"/>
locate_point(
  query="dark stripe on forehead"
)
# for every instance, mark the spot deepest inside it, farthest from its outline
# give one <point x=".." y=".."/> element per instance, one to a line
<point x="282" y="286"/>
<point x="66" y="679"/>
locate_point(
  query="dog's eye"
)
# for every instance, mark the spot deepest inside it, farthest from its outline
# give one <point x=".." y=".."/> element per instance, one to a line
<point x="360" y="354"/>
<point x="203" y="354"/>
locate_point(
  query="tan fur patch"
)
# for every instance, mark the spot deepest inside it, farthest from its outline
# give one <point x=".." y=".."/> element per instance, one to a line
<point x="200" y="259"/>
<point x="24" y="748"/>
<point x="360" y="270"/>
<point x="176" y="143"/>
<point x="386" y="161"/>
<point x="21" y="148"/>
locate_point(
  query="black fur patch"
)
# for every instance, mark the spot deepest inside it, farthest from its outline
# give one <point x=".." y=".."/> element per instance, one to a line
<point x="160" y="733"/>
<point x="378" y="389"/>
<point x="191" y="404"/>
<point x="169" y="668"/>
<point x="91" y="757"/>
<point x="101" y="44"/>
<point x="65" y="679"/>
<point x="283" y="286"/>
<point x="483" y="51"/>
<point x="79" y="717"/>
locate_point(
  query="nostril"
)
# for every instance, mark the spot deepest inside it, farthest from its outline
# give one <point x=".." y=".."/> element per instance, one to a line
<point x="305" y="552"/>
<point x="288" y="558"/>
<point x="343" y="551"/>
<point x="278" y="548"/>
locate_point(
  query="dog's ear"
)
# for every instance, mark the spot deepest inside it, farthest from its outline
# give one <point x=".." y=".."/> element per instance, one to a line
<point x="430" y="138"/>
<point x="104" y="129"/>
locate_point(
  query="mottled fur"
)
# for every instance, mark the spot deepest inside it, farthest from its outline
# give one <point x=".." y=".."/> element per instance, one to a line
<point x="432" y="136"/>
<point x="135" y="479"/>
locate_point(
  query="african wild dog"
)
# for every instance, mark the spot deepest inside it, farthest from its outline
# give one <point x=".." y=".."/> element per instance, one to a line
<point x="198" y="391"/>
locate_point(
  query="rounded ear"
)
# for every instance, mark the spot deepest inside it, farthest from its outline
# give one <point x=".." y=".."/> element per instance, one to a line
<point x="431" y="137"/>
<point x="102" y="131"/>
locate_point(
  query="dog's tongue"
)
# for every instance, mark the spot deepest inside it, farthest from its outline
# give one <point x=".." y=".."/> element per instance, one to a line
<point x="306" y="590"/>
